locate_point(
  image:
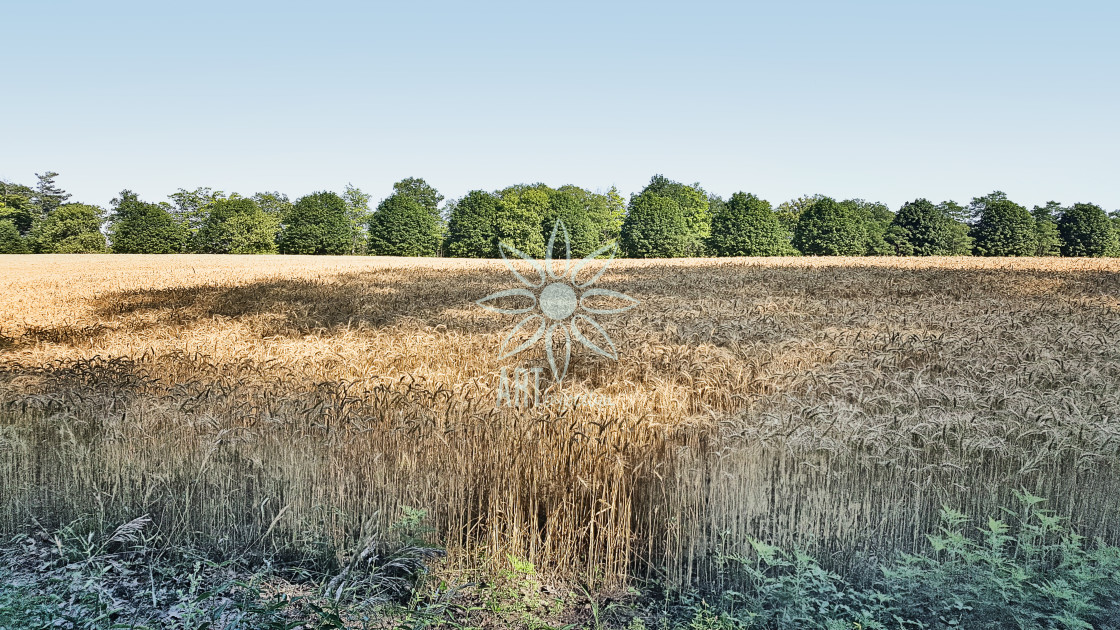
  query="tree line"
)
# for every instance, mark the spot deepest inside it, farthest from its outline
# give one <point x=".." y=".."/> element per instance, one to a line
<point x="666" y="219"/>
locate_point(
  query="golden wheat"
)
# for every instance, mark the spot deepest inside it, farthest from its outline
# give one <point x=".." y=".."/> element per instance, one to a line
<point x="831" y="403"/>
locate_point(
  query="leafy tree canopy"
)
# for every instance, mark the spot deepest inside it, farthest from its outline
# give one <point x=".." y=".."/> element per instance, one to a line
<point x="655" y="227"/>
<point x="189" y="207"/>
<point x="876" y="218"/>
<point x="11" y="241"/>
<point x="236" y="226"/>
<point x="472" y="228"/>
<point x="1087" y="231"/>
<point x="401" y="226"/>
<point x="138" y="227"/>
<point x="72" y="228"/>
<point x="1048" y="239"/>
<point x="18" y="212"/>
<point x="923" y="229"/>
<point x="789" y="212"/>
<point x="357" y="209"/>
<point x="520" y="215"/>
<point x="1004" y="228"/>
<point x="828" y="228"/>
<point x="747" y="226"/>
<point x="419" y="190"/>
<point x="273" y="204"/>
<point x="318" y="223"/>
<point x="694" y="206"/>
<point x="962" y="242"/>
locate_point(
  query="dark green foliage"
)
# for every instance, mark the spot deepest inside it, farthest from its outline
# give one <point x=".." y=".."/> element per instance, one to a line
<point x="520" y="215"/>
<point x="828" y="228"/>
<point x="1028" y="571"/>
<point x="1048" y="241"/>
<point x="746" y="226"/>
<point x="923" y="229"/>
<point x="357" y="209"/>
<point x="317" y="224"/>
<point x="1114" y="218"/>
<point x="11" y="242"/>
<point x="429" y="198"/>
<point x="615" y="213"/>
<point x="236" y="226"/>
<point x="189" y="207"/>
<point x="961" y="244"/>
<point x="573" y="206"/>
<point x="694" y="208"/>
<point x="138" y="227"/>
<point x="419" y="190"/>
<point x="15" y="195"/>
<point x="790" y="211"/>
<point x="598" y="217"/>
<point x="875" y="219"/>
<point x="1020" y="569"/>
<point x="654" y="228"/>
<point x="401" y="226"/>
<point x="1004" y="228"/>
<point x="1087" y="231"/>
<point x="18" y="210"/>
<point x="274" y="204"/>
<point x="716" y="205"/>
<point x="73" y="228"/>
<point x="472" y="231"/>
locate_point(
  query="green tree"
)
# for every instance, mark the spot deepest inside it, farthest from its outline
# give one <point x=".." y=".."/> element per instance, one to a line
<point x="615" y="214"/>
<point x="357" y="209"/>
<point x="274" y="204"/>
<point x="694" y="205"/>
<point x="1114" y="217"/>
<point x="138" y="227"/>
<point x="590" y="218"/>
<point x="1087" y="231"/>
<point x="655" y="227"/>
<point x="747" y="226"/>
<point x="1048" y="240"/>
<point x="1004" y="228"/>
<point x="419" y="190"/>
<point x="189" y="207"/>
<point x="961" y="244"/>
<point x="569" y="205"/>
<point x="789" y="212"/>
<point x="403" y="227"/>
<point x="471" y="230"/>
<point x="428" y="198"/>
<point x="520" y="215"/>
<point x="828" y="228"/>
<point x="16" y="206"/>
<point x="923" y="229"/>
<point x="236" y="225"/>
<point x="72" y="228"/>
<point x="318" y="223"/>
<point x="48" y="196"/>
<point x="11" y="241"/>
<point x="876" y="218"/>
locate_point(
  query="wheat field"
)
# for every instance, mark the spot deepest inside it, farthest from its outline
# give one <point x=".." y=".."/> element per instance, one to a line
<point x="299" y="402"/>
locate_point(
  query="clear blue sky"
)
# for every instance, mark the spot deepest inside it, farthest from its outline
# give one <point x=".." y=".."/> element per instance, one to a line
<point x="887" y="101"/>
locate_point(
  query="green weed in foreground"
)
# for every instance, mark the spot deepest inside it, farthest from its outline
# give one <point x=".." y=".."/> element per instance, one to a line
<point x="1023" y="570"/>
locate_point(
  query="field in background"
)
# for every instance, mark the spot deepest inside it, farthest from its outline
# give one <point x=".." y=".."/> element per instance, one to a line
<point x="300" y="402"/>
